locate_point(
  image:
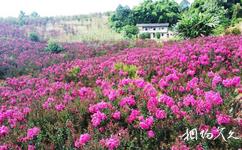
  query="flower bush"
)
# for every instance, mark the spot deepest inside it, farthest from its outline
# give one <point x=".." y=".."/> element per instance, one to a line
<point x="138" y="98"/>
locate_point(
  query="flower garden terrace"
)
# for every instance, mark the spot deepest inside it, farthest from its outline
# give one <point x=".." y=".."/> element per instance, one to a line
<point x="138" y="98"/>
<point x="23" y="57"/>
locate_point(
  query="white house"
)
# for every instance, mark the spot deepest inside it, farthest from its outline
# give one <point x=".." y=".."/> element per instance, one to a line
<point x="155" y="28"/>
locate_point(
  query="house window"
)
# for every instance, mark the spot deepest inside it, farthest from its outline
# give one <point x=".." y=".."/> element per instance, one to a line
<point x="162" y="34"/>
<point x="162" y="28"/>
<point x="146" y="29"/>
<point x="154" y="29"/>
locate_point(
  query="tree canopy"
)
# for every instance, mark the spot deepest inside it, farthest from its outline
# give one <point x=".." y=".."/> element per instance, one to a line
<point x="206" y="17"/>
<point x="149" y="11"/>
<point x="184" y="4"/>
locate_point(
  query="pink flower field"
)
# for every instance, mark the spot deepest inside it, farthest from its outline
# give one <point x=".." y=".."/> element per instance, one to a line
<point x="139" y="96"/>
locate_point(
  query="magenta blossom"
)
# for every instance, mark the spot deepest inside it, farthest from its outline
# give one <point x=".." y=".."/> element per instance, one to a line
<point x="127" y="101"/>
<point x="3" y="147"/>
<point x="213" y="97"/>
<point x="116" y="115"/>
<point x="133" y="116"/>
<point x="147" y="123"/>
<point x="84" y="138"/>
<point x="160" y="114"/>
<point x="4" y="130"/>
<point x="216" y="79"/>
<point x="111" y="143"/>
<point x="31" y="133"/>
<point x="215" y="131"/>
<point x="189" y="100"/>
<point x="232" y="82"/>
<point x="151" y="134"/>
<point x="223" y="119"/>
<point x="60" y="107"/>
<point x="97" y="118"/>
<point x="31" y="147"/>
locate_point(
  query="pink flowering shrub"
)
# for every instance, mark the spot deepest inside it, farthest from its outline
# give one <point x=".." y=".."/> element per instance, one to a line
<point x="4" y="130"/>
<point x="31" y="133"/>
<point x="84" y="138"/>
<point x="184" y="85"/>
<point x="110" y="143"/>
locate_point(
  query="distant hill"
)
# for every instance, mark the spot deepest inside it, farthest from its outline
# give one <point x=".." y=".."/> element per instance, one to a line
<point x="69" y="28"/>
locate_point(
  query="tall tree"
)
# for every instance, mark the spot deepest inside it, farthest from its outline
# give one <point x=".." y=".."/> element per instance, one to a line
<point x="157" y="12"/>
<point x="22" y="18"/>
<point x="121" y="17"/>
<point x="34" y="14"/>
<point x="184" y="5"/>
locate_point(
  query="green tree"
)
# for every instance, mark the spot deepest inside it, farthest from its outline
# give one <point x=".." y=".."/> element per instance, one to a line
<point x="184" y="5"/>
<point x="228" y="5"/>
<point x="121" y="18"/>
<point x="160" y="11"/>
<point x="130" y="31"/>
<point x="34" y="15"/>
<point x="22" y="18"/>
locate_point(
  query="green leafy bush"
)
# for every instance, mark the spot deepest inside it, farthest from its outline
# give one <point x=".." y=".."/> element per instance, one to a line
<point x="54" y="47"/>
<point x="130" y="69"/>
<point x="227" y="32"/>
<point x="99" y="52"/>
<point x="236" y="31"/>
<point x="144" y="36"/>
<point x="34" y="37"/>
<point x="197" y="24"/>
<point x="72" y="75"/>
<point x="157" y="35"/>
<point x="130" y="31"/>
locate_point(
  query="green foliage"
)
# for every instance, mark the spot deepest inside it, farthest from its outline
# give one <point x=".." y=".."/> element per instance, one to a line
<point x="149" y="11"/>
<point x="184" y="5"/>
<point x="144" y="36"/>
<point x="204" y="17"/>
<point x="236" y="12"/>
<point x="227" y="32"/>
<point x="232" y="7"/>
<point x="157" y="35"/>
<point x="99" y="52"/>
<point x="54" y="47"/>
<point x="57" y="127"/>
<point x="34" y="15"/>
<point x="34" y="37"/>
<point x="196" y="24"/>
<point x="22" y="18"/>
<point x="72" y="75"/>
<point x="236" y="31"/>
<point x="121" y="18"/>
<point x="130" y="69"/>
<point x="219" y="30"/>
<point x="130" y="31"/>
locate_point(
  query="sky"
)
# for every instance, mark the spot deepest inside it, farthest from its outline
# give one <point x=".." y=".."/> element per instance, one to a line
<point x="61" y="7"/>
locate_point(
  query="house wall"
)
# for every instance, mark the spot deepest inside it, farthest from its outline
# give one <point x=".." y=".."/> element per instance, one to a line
<point x="153" y="29"/>
<point x="164" y="32"/>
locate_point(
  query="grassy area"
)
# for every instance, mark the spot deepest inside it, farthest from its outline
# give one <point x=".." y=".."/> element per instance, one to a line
<point x="84" y="29"/>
